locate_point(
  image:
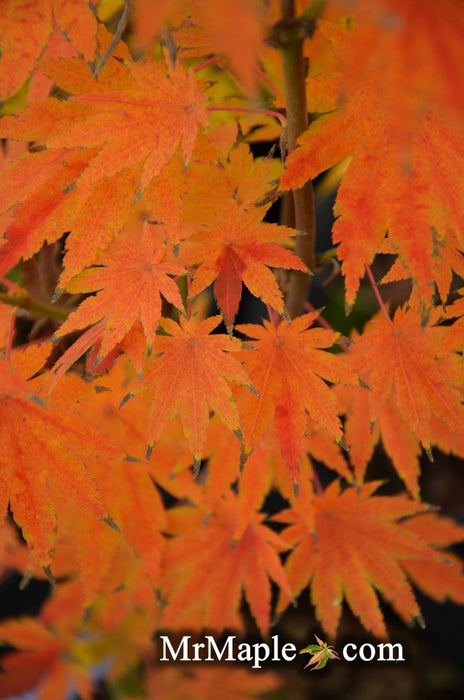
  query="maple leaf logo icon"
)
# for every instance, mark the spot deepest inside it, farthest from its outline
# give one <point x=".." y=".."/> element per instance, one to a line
<point x="320" y="652"/>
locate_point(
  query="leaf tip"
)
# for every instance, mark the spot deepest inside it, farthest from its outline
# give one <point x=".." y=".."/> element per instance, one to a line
<point x="196" y="466"/>
<point x="56" y="294"/>
<point x="108" y="520"/>
<point x="50" y="578"/>
<point x="429" y="453"/>
<point x="363" y="384"/>
<point x="343" y="444"/>
<point x="26" y="579"/>
<point x="253" y="390"/>
<point x="126" y="399"/>
<point x="243" y="459"/>
<point x="238" y="434"/>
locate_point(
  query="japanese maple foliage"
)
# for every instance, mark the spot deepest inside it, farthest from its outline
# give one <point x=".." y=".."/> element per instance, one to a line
<point x="131" y="202"/>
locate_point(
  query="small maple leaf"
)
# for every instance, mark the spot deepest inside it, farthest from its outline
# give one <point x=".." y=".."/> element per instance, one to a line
<point x="129" y="281"/>
<point x="320" y="652"/>
<point x="189" y="371"/>
<point x="288" y="369"/>
<point x="237" y="248"/>
<point x="338" y="553"/>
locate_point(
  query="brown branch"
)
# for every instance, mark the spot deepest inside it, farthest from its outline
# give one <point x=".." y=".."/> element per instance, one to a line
<point x="289" y="34"/>
<point x="122" y="24"/>
<point x="33" y="306"/>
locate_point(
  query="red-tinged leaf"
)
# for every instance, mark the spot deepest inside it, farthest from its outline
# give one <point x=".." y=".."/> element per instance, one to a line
<point x="133" y="276"/>
<point x="188" y="371"/>
<point x="24" y="29"/>
<point x="78" y="23"/>
<point x="94" y="214"/>
<point x="402" y="361"/>
<point x="43" y="460"/>
<point x="357" y="545"/>
<point x="409" y="83"/>
<point x="45" y="655"/>
<point x="42" y="215"/>
<point x="149" y="18"/>
<point x="236" y="31"/>
<point x="410" y="191"/>
<point x="442" y="580"/>
<point x="144" y="122"/>
<point x="211" y="594"/>
<point x="38" y="651"/>
<point x="237" y="247"/>
<point x="446" y="263"/>
<point x="238" y="177"/>
<point x="286" y="369"/>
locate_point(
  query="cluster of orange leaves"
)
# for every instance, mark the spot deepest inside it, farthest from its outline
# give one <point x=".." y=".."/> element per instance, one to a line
<point x="144" y="168"/>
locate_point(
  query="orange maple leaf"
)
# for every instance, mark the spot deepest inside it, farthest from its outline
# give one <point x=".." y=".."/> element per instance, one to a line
<point x="42" y="460"/>
<point x="132" y="276"/>
<point x="440" y="580"/>
<point x="403" y="361"/>
<point x="188" y="371"/>
<point x="39" y="661"/>
<point x="198" y="590"/>
<point x="411" y="401"/>
<point x="356" y="544"/>
<point x="286" y="369"/>
<point x="125" y="127"/>
<point x="142" y="119"/>
<point x="36" y="185"/>
<point x="236" y="31"/>
<point x="237" y="247"/>
<point x="407" y="189"/>
<point x="239" y="177"/>
<point x="393" y="37"/>
<point x="25" y="26"/>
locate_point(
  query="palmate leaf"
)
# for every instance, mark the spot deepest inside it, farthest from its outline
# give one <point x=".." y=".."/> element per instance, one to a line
<point x="40" y="660"/>
<point x="237" y="247"/>
<point x="25" y="26"/>
<point x="409" y="189"/>
<point x="139" y="114"/>
<point x="358" y="544"/>
<point x="188" y="372"/>
<point x="125" y="127"/>
<point x="320" y="652"/>
<point x="411" y="401"/>
<point x="207" y="570"/>
<point x="133" y="274"/>
<point x="239" y="177"/>
<point x="442" y="580"/>
<point x="288" y="369"/>
<point x="235" y="31"/>
<point x="409" y="83"/>
<point x="43" y="459"/>
<point x="403" y="361"/>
